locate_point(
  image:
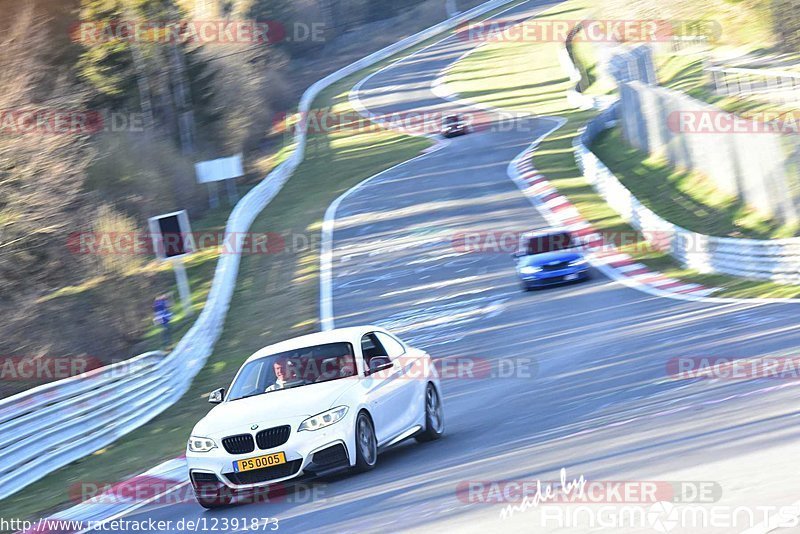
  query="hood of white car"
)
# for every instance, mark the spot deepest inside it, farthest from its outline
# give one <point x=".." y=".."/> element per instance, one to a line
<point x="274" y="408"/>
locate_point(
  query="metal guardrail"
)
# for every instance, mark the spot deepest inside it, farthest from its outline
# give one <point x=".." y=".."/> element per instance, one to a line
<point x="773" y="259"/>
<point x="776" y="85"/>
<point x="48" y="427"/>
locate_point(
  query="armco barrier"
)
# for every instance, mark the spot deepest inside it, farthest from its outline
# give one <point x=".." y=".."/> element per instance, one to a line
<point x="575" y="96"/>
<point x="774" y="259"/>
<point x="48" y="427"/>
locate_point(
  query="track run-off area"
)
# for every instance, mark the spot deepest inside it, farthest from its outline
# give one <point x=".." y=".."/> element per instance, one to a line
<point x="579" y="374"/>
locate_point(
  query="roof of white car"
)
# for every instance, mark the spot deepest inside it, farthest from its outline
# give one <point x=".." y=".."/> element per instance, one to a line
<point x="351" y="334"/>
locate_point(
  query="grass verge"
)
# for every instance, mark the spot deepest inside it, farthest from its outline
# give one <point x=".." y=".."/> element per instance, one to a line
<point x="527" y="77"/>
<point x="685" y="198"/>
<point x="276" y="296"/>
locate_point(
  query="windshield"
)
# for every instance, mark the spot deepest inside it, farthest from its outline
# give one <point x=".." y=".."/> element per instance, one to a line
<point x="295" y="368"/>
<point x="549" y="243"/>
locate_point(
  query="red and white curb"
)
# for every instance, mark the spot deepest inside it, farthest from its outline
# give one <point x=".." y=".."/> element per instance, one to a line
<point x="166" y="482"/>
<point x="559" y="211"/>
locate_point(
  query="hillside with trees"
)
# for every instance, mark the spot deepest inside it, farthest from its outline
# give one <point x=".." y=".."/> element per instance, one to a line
<point x="156" y="107"/>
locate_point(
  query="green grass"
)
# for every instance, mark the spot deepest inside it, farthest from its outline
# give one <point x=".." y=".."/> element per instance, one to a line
<point x="107" y="290"/>
<point x="685" y="198"/>
<point x="685" y="73"/>
<point x="527" y="77"/>
<point x="276" y="298"/>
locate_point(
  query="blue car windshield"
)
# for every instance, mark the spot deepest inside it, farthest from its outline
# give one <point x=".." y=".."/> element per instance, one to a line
<point x="539" y="244"/>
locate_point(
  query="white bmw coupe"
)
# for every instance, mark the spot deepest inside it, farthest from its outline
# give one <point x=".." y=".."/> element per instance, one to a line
<point x="313" y="405"/>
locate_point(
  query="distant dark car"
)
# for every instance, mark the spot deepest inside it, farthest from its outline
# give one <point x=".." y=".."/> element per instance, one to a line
<point x="549" y="257"/>
<point x="453" y="126"/>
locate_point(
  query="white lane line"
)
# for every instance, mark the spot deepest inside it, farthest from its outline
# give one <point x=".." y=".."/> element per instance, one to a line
<point x="329" y="222"/>
<point x="522" y="172"/>
<point x="326" y="316"/>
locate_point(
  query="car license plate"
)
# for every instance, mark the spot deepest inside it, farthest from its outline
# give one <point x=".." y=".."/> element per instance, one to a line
<point x="571" y="277"/>
<point x="268" y="460"/>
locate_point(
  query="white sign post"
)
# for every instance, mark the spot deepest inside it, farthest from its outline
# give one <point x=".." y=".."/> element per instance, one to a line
<point x="220" y="170"/>
<point x="173" y="241"/>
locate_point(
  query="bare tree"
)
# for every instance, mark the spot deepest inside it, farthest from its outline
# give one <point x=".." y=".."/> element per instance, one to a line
<point x="42" y="158"/>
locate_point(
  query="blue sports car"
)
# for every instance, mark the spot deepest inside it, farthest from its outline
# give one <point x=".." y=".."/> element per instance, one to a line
<point x="549" y="257"/>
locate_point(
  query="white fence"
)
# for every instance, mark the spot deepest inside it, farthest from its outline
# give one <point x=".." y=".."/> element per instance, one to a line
<point x="775" y="259"/>
<point x="772" y="85"/>
<point x="48" y="427"/>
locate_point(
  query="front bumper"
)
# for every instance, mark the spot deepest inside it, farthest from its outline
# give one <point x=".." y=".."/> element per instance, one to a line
<point x="550" y="278"/>
<point x="307" y="453"/>
<point x="454" y="132"/>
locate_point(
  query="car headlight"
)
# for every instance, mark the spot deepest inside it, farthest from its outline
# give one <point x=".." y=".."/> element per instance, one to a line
<point x="577" y="263"/>
<point x="321" y="420"/>
<point x="530" y="270"/>
<point x="199" y="444"/>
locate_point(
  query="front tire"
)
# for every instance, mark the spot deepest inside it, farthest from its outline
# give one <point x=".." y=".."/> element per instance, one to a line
<point x="434" y="416"/>
<point x="366" y="444"/>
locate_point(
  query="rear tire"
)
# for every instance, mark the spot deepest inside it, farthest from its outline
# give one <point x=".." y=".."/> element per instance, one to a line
<point x="434" y="416"/>
<point x="366" y="444"/>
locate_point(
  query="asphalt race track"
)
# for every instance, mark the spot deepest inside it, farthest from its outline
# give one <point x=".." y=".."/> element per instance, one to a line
<point x="591" y="392"/>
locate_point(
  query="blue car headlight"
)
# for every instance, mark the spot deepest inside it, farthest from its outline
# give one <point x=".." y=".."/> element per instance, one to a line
<point x="529" y="270"/>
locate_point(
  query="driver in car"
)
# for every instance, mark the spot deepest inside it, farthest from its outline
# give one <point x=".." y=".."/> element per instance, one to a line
<point x="285" y="375"/>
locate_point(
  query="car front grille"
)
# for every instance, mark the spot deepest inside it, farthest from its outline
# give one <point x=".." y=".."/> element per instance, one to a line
<point x="200" y="478"/>
<point x="556" y="267"/>
<point x="239" y="444"/>
<point x="265" y="474"/>
<point x="331" y="455"/>
<point x="273" y="437"/>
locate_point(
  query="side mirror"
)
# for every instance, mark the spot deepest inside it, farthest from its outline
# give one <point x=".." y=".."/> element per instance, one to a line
<point x="517" y="255"/>
<point x="378" y="363"/>
<point x="216" y="396"/>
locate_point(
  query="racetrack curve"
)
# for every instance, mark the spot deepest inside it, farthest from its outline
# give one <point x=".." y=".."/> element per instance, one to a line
<point x="593" y="394"/>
